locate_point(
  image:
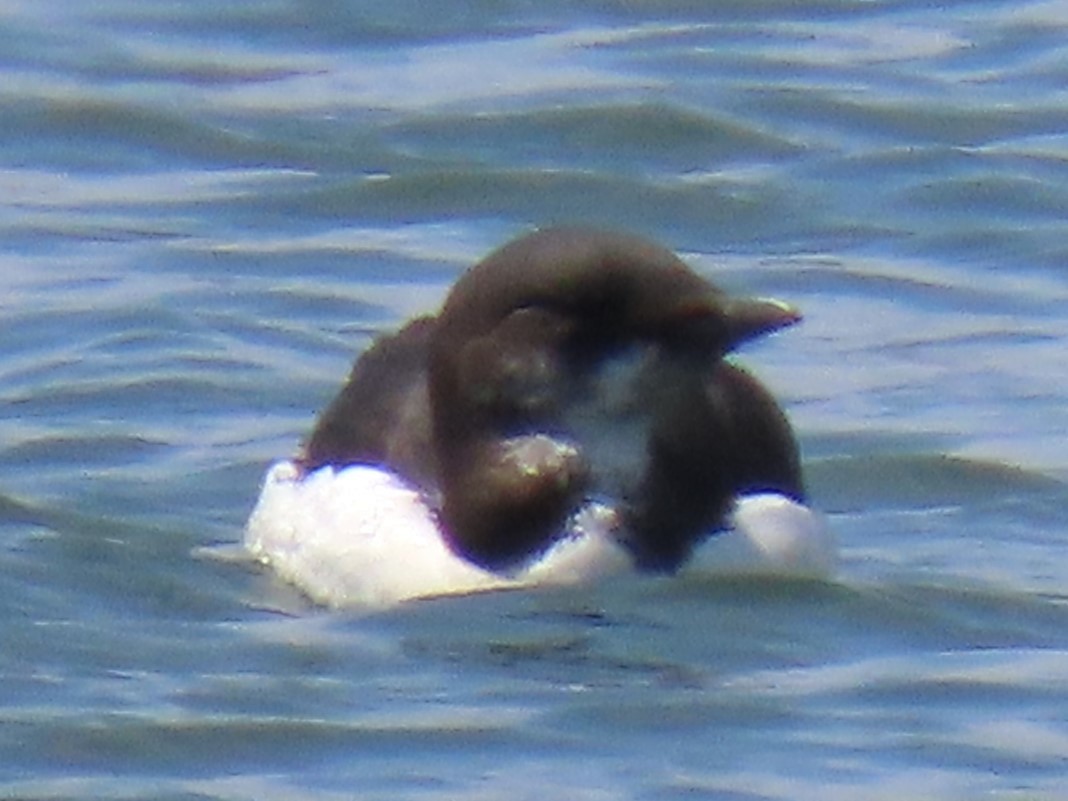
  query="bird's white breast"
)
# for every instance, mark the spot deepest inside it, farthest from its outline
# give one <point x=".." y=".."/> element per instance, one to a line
<point x="359" y="537"/>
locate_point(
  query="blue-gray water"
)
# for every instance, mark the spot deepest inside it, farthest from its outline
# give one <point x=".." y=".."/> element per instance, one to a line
<point x="207" y="209"/>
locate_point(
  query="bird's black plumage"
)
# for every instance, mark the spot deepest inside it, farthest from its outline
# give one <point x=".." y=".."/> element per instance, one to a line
<point x="474" y="404"/>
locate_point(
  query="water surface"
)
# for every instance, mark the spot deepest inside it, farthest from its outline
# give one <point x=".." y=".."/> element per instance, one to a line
<point x="206" y="211"/>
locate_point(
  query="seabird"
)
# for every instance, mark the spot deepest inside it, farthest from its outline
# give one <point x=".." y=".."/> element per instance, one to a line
<point x="481" y="406"/>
